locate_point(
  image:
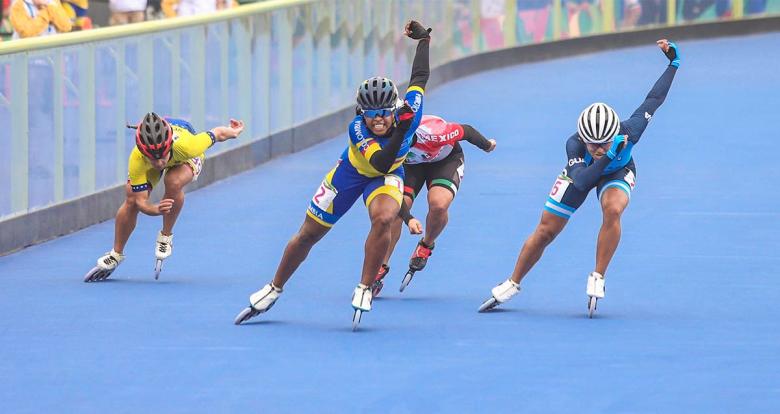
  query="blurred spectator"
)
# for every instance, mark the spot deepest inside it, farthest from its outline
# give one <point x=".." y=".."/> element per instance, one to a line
<point x="693" y="9"/>
<point x="154" y="10"/>
<point x="463" y="36"/>
<point x="755" y="6"/>
<point x="534" y="15"/>
<point x="653" y="12"/>
<point x="127" y="11"/>
<point x="31" y="18"/>
<point x="180" y="8"/>
<point x="77" y="11"/>
<point x="491" y="23"/>
<point x="6" y="30"/>
<point x="632" y="11"/>
<point x="581" y="15"/>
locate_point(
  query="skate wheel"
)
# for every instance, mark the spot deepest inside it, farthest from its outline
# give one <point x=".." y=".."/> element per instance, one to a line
<point x="97" y="274"/>
<point x="356" y="319"/>
<point x="407" y="279"/>
<point x="157" y="269"/>
<point x="488" y="305"/>
<point x="377" y="287"/>
<point x="592" y="306"/>
<point x="245" y="315"/>
<point x="104" y="275"/>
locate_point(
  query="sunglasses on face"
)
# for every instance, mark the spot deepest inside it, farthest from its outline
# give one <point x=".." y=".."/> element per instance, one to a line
<point x="603" y="145"/>
<point x="373" y="113"/>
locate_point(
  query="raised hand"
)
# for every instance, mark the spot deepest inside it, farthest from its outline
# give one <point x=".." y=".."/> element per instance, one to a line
<point x="417" y="31"/>
<point x="670" y="50"/>
<point x="405" y="115"/>
<point x="233" y="130"/>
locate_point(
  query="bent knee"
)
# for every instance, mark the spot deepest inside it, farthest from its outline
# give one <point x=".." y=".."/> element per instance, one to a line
<point x="383" y="219"/>
<point x="130" y="205"/>
<point x="176" y="184"/>
<point x="306" y="237"/>
<point x="438" y="208"/>
<point x="545" y="234"/>
<point x="612" y="212"/>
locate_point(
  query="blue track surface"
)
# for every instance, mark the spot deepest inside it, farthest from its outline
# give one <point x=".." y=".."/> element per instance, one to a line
<point x="690" y="322"/>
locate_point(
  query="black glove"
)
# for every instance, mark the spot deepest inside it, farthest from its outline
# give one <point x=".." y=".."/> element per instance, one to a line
<point x="404" y="117"/>
<point x="417" y="31"/>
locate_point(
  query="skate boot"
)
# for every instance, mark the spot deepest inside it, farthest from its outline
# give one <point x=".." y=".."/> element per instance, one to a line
<point x="361" y="302"/>
<point x="500" y="294"/>
<point x="418" y="261"/>
<point x="595" y="291"/>
<point x="420" y="256"/>
<point x="379" y="281"/>
<point x="163" y="250"/>
<point x="259" y="302"/>
<point x="106" y="265"/>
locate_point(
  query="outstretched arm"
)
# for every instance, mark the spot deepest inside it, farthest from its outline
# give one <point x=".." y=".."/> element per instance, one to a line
<point x="224" y="133"/>
<point x="405" y="213"/>
<point x="195" y="144"/>
<point x="415" y="226"/>
<point x="383" y="159"/>
<point x="585" y="177"/>
<point x="140" y="199"/>
<point x="421" y="69"/>
<point x="475" y="138"/>
<point x="638" y="121"/>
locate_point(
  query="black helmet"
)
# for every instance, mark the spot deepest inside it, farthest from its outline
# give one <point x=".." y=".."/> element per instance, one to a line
<point x="154" y="136"/>
<point x="377" y="93"/>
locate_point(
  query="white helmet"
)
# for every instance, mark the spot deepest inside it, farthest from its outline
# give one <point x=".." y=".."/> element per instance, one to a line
<point x="598" y="124"/>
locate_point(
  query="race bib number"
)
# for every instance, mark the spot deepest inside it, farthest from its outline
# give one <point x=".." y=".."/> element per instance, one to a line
<point x="197" y="166"/>
<point x="630" y="179"/>
<point x="559" y="188"/>
<point x="395" y="181"/>
<point x="324" y="196"/>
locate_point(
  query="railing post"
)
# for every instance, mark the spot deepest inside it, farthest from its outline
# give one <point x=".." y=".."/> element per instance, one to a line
<point x="671" y="12"/>
<point x="224" y="82"/>
<point x="20" y="145"/>
<point x="175" y="51"/>
<point x="87" y="135"/>
<point x="263" y="76"/>
<point x="59" y="130"/>
<point x="476" y="27"/>
<point x="510" y="23"/>
<point x="285" y="69"/>
<point x="737" y="9"/>
<point x="322" y="34"/>
<point x="608" y="16"/>
<point x="241" y="30"/>
<point x="198" y="76"/>
<point x="120" y="109"/>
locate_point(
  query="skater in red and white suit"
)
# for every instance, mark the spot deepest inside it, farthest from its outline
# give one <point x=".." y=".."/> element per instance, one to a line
<point x="436" y="160"/>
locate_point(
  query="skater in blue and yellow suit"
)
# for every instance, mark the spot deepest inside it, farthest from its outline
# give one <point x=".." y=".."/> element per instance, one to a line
<point x="380" y="136"/>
